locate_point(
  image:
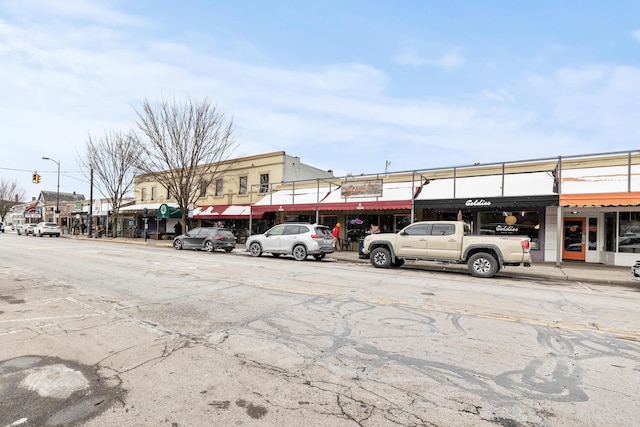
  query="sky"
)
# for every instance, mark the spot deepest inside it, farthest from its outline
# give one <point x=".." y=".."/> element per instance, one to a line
<point x="355" y="86"/>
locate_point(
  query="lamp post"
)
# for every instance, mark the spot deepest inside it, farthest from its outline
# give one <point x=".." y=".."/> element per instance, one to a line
<point x="57" y="212"/>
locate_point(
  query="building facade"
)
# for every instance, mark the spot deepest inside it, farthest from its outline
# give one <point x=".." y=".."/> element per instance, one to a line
<point x="574" y="209"/>
<point x="582" y="208"/>
<point x="227" y="200"/>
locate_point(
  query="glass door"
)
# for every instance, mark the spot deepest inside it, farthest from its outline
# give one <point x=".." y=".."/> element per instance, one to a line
<point x="574" y="239"/>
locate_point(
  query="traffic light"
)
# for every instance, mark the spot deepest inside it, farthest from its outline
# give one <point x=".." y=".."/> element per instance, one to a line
<point x="37" y="178"/>
<point x="34" y="178"/>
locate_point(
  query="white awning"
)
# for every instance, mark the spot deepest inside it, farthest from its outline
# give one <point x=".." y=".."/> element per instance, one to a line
<point x="392" y="191"/>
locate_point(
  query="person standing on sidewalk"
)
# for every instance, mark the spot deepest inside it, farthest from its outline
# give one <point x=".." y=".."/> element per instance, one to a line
<point x="336" y="233"/>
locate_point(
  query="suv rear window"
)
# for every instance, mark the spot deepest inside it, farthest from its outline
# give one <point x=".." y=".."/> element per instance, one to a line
<point x="225" y="233"/>
<point x="323" y="231"/>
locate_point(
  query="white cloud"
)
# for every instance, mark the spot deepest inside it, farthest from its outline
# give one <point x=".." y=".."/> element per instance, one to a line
<point x="411" y="58"/>
<point x="448" y="61"/>
<point x="577" y="78"/>
<point x="501" y="95"/>
<point x="89" y="10"/>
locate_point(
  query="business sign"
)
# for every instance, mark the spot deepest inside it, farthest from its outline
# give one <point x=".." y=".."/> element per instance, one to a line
<point x="163" y="211"/>
<point x="166" y="211"/>
<point x="371" y="188"/>
<point x="33" y="212"/>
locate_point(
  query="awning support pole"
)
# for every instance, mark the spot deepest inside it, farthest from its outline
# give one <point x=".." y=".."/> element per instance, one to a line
<point x="560" y="226"/>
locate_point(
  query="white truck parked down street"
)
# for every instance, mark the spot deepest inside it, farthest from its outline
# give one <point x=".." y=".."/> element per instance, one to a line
<point x="447" y="242"/>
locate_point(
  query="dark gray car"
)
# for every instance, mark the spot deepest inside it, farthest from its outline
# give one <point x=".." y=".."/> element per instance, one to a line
<point x="207" y="239"/>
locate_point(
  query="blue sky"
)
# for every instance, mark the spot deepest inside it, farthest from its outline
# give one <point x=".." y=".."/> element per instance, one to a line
<point x="344" y="85"/>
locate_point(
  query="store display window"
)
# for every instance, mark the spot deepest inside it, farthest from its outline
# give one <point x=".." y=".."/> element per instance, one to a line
<point x="514" y="223"/>
<point x="629" y="232"/>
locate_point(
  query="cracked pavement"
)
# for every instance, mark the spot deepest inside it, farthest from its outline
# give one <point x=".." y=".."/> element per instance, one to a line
<point x="190" y="338"/>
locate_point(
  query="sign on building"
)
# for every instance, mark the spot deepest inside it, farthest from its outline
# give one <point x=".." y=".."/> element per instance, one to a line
<point x="370" y="188"/>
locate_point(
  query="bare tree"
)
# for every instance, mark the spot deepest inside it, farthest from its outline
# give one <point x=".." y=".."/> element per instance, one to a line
<point x="10" y="195"/>
<point x="113" y="159"/>
<point x="183" y="145"/>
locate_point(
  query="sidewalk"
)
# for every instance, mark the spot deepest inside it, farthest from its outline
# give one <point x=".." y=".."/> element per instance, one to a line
<point x="569" y="271"/>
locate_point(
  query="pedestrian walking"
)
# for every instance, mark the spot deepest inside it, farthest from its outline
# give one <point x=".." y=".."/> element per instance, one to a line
<point x="336" y="233"/>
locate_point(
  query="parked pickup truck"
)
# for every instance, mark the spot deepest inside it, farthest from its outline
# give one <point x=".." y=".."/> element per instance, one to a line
<point x="447" y="242"/>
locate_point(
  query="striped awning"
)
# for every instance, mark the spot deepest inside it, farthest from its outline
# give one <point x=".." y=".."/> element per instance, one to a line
<point x="628" y="198"/>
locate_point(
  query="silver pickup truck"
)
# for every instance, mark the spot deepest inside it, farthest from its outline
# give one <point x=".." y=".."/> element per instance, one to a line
<point x="447" y="242"/>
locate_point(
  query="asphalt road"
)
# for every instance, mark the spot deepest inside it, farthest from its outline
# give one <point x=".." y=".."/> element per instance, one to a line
<point x="100" y="334"/>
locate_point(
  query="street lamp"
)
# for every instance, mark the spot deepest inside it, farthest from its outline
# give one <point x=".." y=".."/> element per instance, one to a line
<point x="58" y="192"/>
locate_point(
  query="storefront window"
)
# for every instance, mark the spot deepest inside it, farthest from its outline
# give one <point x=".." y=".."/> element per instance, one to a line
<point x="520" y="223"/>
<point x="629" y="232"/>
<point x="358" y="226"/>
<point x="401" y="221"/>
<point x="610" y="231"/>
<point x="593" y="234"/>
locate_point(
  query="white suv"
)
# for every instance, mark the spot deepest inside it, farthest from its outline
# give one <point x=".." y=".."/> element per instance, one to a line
<point x="299" y="240"/>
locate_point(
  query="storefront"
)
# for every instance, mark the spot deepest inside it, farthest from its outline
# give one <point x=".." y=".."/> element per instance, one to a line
<point x="361" y="207"/>
<point x="601" y="228"/>
<point x="147" y="220"/>
<point x="500" y="216"/>
<point x="234" y="217"/>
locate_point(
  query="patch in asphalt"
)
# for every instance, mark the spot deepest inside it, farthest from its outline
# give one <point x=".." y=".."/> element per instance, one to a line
<point x="37" y="390"/>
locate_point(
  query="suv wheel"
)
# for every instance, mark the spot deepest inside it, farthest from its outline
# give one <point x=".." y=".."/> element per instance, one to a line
<point x="300" y="253"/>
<point x="255" y="249"/>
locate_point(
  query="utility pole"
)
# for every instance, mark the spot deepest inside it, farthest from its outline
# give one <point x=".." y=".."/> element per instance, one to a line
<point x="57" y="212"/>
<point x="91" y="202"/>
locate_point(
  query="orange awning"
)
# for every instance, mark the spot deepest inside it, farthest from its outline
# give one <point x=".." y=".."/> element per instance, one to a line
<point x="627" y="198"/>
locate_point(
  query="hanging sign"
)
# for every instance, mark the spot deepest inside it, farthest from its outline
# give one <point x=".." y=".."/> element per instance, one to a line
<point x="163" y="211"/>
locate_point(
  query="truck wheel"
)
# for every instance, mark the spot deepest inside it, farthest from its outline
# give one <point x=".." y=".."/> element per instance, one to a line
<point x="483" y="265"/>
<point x="380" y="258"/>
